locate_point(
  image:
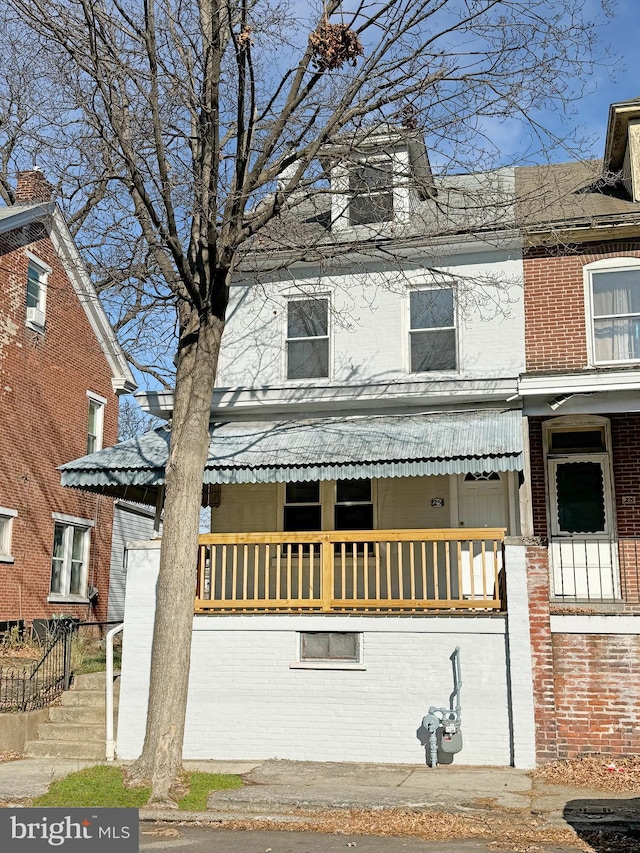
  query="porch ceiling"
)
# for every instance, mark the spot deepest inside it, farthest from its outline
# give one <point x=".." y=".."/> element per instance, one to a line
<point x="318" y="449"/>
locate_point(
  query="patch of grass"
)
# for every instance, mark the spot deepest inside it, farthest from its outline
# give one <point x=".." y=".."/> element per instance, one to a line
<point x="102" y="786"/>
<point x="201" y="785"/>
<point x="87" y="656"/>
<point x="96" y="786"/>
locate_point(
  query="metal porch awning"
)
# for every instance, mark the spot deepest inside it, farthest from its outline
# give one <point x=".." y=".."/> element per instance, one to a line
<point x="410" y="445"/>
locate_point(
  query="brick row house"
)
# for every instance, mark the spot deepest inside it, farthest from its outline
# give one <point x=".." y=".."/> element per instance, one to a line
<point x="423" y="450"/>
<point x="61" y="371"/>
<point x="580" y="395"/>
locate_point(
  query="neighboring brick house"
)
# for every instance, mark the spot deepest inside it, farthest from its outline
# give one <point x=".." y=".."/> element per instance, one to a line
<point x="581" y="396"/>
<point x="61" y="371"/>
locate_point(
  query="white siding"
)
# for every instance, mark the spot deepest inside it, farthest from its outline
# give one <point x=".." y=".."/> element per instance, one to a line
<point x="130" y="523"/>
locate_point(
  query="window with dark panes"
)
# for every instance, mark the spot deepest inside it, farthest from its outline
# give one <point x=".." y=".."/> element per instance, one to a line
<point x="330" y="646"/>
<point x="308" y="338"/>
<point x="432" y="330"/>
<point x="353" y="508"/>
<point x="581" y="498"/>
<point x="371" y="193"/>
<point x="302" y="508"/>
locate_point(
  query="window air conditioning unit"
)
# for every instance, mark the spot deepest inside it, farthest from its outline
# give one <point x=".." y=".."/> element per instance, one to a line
<point x="35" y="316"/>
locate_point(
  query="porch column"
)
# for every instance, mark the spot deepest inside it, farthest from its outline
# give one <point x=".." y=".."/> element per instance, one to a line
<point x="519" y="668"/>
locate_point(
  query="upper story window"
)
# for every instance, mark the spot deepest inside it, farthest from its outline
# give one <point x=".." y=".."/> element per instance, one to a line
<point x="6" y="529"/>
<point x="614" y="293"/>
<point x="371" y="192"/>
<point x="95" y="422"/>
<point x="308" y="338"/>
<point x="432" y="330"/>
<point x="36" y="299"/>
<point x="70" y="557"/>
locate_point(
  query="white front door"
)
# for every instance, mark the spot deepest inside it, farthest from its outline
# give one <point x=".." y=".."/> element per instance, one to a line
<point x="582" y="530"/>
<point x="482" y="502"/>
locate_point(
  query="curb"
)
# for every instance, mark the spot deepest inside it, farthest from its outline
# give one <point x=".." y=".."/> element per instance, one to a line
<point x="176" y="816"/>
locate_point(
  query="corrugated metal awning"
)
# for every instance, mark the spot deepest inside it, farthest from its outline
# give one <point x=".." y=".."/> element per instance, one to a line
<point x="318" y="449"/>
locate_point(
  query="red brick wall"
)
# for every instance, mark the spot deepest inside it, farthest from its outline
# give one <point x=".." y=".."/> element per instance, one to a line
<point x="44" y="379"/>
<point x="538" y="478"/>
<point x="597" y="694"/>
<point x="541" y="653"/>
<point x="555" y="330"/>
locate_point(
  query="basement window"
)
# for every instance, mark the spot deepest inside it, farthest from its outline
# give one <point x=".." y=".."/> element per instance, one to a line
<point x="329" y="650"/>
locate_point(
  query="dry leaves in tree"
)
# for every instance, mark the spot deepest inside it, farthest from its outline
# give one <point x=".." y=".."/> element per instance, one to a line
<point x="334" y="45"/>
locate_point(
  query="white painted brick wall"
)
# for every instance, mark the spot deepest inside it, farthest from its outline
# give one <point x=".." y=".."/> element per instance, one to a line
<point x="370" y="323"/>
<point x="246" y="702"/>
<point x="519" y="649"/>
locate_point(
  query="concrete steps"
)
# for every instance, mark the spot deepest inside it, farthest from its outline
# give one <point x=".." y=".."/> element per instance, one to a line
<point x="76" y="727"/>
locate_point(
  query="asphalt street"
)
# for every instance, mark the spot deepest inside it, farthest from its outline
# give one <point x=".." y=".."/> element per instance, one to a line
<point x="205" y="839"/>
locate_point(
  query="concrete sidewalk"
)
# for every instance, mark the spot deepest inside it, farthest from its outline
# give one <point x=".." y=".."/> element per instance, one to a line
<point x="276" y="788"/>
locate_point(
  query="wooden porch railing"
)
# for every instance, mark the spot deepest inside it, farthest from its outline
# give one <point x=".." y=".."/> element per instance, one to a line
<point x="365" y="571"/>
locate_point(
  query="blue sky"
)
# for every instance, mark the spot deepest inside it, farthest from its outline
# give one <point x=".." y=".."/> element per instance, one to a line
<point x="618" y="82"/>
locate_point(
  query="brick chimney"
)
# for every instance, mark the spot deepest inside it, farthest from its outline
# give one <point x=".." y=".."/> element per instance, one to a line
<point x="32" y="187"/>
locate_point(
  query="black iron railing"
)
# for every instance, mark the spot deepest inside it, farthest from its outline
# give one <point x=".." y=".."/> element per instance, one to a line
<point x="37" y="685"/>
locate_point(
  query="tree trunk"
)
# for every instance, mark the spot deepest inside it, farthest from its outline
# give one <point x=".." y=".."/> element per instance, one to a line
<point x="161" y="759"/>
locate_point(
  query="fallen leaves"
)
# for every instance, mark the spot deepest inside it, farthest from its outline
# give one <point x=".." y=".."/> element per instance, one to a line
<point x="509" y="831"/>
<point x="600" y="773"/>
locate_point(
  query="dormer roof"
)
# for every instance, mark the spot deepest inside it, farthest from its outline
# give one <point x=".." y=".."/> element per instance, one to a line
<point x="620" y="114"/>
<point x="379" y="140"/>
<point x="622" y="145"/>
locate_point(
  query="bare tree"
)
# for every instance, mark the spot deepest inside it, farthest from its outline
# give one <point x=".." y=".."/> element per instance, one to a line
<point x="132" y="421"/>
<point x="202" y="119"/>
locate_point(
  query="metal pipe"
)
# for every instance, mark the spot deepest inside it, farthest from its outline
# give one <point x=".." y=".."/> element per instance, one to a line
<point x="457" y="682"/>
<point x="110" y="742"/>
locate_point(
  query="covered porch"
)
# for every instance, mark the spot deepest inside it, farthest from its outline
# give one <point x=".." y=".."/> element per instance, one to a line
<point x="363" y="514"/>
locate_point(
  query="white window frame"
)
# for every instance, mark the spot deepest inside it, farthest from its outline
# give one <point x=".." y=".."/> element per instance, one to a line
<point x="6" y="534"/>
<point x="71" y="524"/>
<point x="98" y="402"/>
<point x="605" y="265"/>
<point x="325" y="297"/>
<point x="454" y="328"/>
<point x="579" y="423"/>
<point x="35" y="315"/>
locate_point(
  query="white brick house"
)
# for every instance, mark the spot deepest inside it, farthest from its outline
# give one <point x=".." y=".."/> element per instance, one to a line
<point x="365" y="466"/>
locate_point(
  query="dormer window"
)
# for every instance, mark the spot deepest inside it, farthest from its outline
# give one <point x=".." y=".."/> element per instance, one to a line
<point x="371" y="192"/>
